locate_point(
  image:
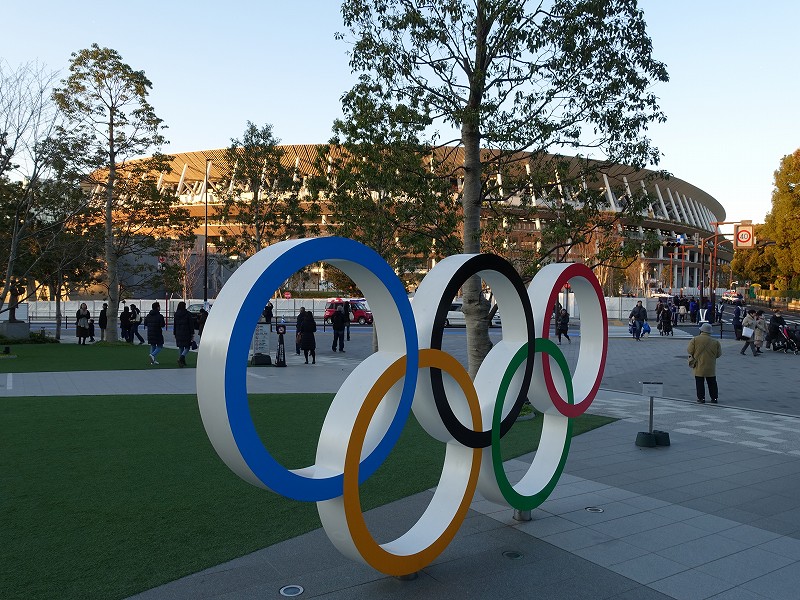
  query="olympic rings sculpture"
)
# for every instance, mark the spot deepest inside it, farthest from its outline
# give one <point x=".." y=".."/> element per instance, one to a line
<point x="369" y="411"/>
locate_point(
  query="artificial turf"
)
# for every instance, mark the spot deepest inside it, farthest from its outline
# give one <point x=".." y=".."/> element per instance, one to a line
<point x="106" y="496"/>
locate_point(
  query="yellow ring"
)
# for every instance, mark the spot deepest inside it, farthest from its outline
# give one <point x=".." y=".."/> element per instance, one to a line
<point x="375" y="555"/>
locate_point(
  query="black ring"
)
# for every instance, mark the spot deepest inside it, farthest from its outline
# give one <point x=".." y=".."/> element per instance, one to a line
<point x="473" y="266"/>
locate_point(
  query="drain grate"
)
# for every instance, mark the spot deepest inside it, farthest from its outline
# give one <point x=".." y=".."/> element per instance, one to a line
<point x="513" y="554"/>
<point x="594" y="509"/>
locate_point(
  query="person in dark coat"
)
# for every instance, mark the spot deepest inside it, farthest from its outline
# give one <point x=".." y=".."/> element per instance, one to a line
<point x="300" y="317"/>
<point x="201" y="321"/>
<point x="102" y="321"/>
<point x="268" y="310"/>
<point x="562" y="325"/>
<point x="154" y="323"/>
<point x="136" y="320"/>
<point x="737" y="320"/>
<point x="338" y="322"/>
<point x="125" y="323"/>
<point x="82" y="324"/>
<point x="183" y="329"/>
<point x="308" y="342"/>
<point x="665" y="322"/>
<point x="638" y="317"/>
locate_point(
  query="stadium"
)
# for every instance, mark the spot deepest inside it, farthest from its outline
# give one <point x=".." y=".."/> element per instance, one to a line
<point x="678" y="214"/>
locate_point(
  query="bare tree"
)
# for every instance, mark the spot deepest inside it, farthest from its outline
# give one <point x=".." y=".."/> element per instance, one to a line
<point x="32" y="215"/>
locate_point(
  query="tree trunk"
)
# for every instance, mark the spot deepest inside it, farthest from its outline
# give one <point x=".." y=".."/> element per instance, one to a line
<point x="475" y="306"/>
<point x="112" y="273"/>
<point x="57" y="293"/>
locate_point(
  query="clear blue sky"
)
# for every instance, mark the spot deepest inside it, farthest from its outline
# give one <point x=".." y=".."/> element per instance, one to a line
<point x="731" y="101"/>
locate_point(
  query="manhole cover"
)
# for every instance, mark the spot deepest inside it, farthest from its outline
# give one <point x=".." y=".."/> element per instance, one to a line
<point x="594" y="509"/>
<point x="290" y="591"/>
<point x="513" y="554"/>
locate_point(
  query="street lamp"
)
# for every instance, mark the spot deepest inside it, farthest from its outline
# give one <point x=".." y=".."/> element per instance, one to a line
<point x="205" y="237"/>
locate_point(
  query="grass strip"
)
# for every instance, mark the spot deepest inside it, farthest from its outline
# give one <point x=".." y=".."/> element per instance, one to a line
<point x="101" y="356"/>
<point x="107" y="496"/>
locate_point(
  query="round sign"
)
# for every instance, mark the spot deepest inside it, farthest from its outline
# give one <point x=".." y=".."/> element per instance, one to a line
<point x="744" y="236"/>
<point x="287" y="295"/>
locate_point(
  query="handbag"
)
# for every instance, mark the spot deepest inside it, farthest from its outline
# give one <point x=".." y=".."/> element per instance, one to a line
<point x="747" y="332"/>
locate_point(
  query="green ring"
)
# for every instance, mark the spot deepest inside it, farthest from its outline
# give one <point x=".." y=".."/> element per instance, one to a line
<point x="514" y="498"/>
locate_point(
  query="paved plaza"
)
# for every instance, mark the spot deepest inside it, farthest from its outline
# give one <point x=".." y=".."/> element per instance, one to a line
<point x="714" y="515"/>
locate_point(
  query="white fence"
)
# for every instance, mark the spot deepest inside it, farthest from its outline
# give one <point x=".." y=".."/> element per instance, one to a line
<point x="284" y="310"/>
<point x="44" y="311"/>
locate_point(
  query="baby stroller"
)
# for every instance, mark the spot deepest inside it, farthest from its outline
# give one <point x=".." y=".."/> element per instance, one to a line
<point x="785" y="341"/>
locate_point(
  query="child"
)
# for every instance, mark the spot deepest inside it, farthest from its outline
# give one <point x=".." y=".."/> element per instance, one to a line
<point x="91" y="330"/>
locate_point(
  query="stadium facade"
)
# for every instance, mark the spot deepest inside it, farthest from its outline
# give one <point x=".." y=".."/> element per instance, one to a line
<point x="678" y="213"/>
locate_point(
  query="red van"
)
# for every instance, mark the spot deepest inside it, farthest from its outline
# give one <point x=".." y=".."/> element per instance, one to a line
<point x="357" y="307"/>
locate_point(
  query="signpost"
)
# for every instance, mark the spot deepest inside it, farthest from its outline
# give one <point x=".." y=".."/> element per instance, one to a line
<point x="652" y="438"/>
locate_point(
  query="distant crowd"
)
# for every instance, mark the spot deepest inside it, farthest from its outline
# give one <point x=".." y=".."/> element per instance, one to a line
<point x="130" y="319"/>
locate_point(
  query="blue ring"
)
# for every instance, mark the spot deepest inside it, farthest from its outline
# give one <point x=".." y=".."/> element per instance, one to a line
<point x="269" y="471"/>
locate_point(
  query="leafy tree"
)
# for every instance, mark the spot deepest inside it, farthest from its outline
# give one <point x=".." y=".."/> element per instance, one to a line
<point x="110" y="120"/>
<point x="513" y="79"/>
<point x="782" y="224"/>
<point x="261" y="201"/>
<point x="383" y="191"/>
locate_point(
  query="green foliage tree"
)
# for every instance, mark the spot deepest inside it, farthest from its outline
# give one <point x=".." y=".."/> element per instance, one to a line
<point x="383" y="191"/>
<point x="509" y="76"/>
<point x="261" y="198"/>
<point x="782" y="224"/>
<point x="109" y="120"/>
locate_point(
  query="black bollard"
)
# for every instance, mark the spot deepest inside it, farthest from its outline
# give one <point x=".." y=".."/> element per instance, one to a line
<point x="280" y="355"/>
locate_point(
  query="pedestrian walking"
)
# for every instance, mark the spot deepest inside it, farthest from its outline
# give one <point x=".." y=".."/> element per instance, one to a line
<point x="125" y="323"/>
<point x="776" y="322"/>
<point x="91" y="330"/>
<point x="338" y="322"/>
<point x="154" y="324"/>
<point x="136" y="320"/>
<point x="308" y="342"/>
<point x="267" y="314"/>
<point x="748" y="332"/>
<point x="183" y="330"/>
<point x="638" y="317"/>
<point x="665" y="325"/>
<point x="703" y="354"/>
<point x="737" y="320"/>
<point x="202" y="315"/>
<point x="694" y="308"/>
<point x="682" y="313"/>
<point x="562" y="326"/>
<point x="761" y="330"/>
<point x="102" y="321"/>
<point x="82" y="323"/>
<point x="298" y="334"/>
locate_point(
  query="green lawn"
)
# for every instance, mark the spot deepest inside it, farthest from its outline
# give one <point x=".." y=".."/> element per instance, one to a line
<point x="106" y="496"/>
<point x="102" y="356"/>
